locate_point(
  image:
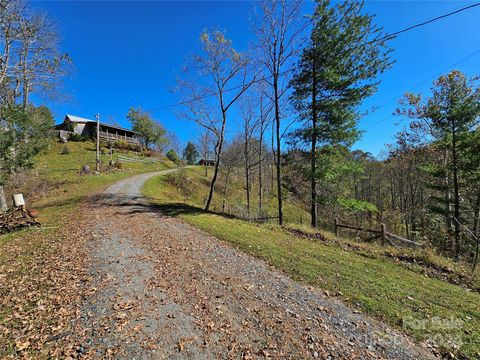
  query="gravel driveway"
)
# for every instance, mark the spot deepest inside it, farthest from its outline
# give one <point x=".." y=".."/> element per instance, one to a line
<point x="163" y="289"/>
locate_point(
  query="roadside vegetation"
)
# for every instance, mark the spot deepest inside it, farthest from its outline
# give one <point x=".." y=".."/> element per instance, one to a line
<point x="41" y="269"/>
<point x="56" y="184"/>
<point x="394" y="285"/>
<point x="296" y="92"/>
<point x="299" y="99"/>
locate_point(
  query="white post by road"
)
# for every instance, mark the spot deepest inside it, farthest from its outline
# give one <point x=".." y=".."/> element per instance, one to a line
<point x="98" y="143"/>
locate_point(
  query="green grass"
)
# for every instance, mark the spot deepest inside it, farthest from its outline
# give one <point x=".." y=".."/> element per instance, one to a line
<point x="39" y="272"/>
<point x="366" y="279"/>
<point x="235" y="196"/>
<point x="60" y="174"/>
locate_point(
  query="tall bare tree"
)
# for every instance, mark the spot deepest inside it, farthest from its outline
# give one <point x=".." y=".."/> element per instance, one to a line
<point x="278" y="28"/>
<point x="254" y="111"/>
<point x="263" y="123"/>
<point x="221" y="73"/>
<point x="249" y="125"/>
<point x="205" y="147"/>
<point x="10" y="16"/>
<point x="41" y="64"/>
<point x="30" y="62"/>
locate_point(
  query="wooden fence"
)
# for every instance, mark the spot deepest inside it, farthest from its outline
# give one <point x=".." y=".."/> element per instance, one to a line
<point x="382" y="233"/>
<point x="143" y="160"/>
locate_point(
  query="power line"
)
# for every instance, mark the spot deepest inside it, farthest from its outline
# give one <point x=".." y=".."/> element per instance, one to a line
<point x="385" y="38"/>
<point x="433" y="20"/>
<point x="417" y="86"/>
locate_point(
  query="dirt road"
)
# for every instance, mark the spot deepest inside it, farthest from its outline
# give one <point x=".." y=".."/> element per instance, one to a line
<point x="163" y="289"/>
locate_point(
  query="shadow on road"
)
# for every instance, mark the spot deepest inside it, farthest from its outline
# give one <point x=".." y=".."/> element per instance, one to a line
<point x="129" y="205"/>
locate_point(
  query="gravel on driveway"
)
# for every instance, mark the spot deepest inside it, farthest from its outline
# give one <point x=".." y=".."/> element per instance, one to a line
<point x="163" y="289"/>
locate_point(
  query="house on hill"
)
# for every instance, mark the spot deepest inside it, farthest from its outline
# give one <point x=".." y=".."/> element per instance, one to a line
<point x="206" y="162"/>
<point x="88" y="128"/>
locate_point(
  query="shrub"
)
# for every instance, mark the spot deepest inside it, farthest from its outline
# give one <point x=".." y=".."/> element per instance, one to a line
<point x="185" y="184"/>
<point x="118" y="165"/>
<point x="147" y="153"/>
<point x="135" y="147"/>
<point x="77" y="138"/>
<point x="172" y="156"/>
<point x="124" y="145"/>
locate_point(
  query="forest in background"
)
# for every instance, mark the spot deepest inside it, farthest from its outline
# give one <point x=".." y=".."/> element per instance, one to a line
<point x="294" y="98"/>
<point x="297" y="96"/>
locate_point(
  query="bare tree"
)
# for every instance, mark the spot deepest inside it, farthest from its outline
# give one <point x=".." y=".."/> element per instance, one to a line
<point x="254" y="111"/>
<point x="10" y="16"/>
<point x="231" y="160"/>
<point x="173" y="142"/>
<point x="279" y="28"/>
<point x="40" y="64"/>
<point x="30" y="61"/>
<point x="250" y="126"/>
<point x="221" y="73"/>
<point x="263" y="123"/>
<point x="205" y="147"/>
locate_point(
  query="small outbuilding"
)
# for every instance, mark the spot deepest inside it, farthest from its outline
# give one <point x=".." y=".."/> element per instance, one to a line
<point x="88" y="128"/>
<point x="206" y="162"/>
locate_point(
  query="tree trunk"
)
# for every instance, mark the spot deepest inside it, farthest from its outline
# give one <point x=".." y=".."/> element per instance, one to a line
<point x="247" y="172"/>
<point x="392" y="192"/>
<point x="456" y="194"/>
<point x="214" y="180"/>
<point x="476" y="217"/>
<point x="272" y="168"/>
<point x="226" y="182"/>
<point x="205" y="160"/>
<point x="25" y="94"/>
<point x="218" y="151"/>
<point x="25" y="78"/>
<point x="475" y="261"/>
<point x="3" y="201"/>
<point x="6" y="57"/>
<point x="407" y="230"/>
<point x="260" y="184"/>
<point x="278" y="162"/>
<point x="476" y="224"/>
<point x="313" y="164"/>
<point x="448" y="216"/>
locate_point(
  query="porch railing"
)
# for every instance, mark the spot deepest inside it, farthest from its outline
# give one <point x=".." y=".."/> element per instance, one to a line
<point x="108" y="136"/>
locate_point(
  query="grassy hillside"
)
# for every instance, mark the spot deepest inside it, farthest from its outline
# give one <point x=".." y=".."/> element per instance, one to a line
<point x="371" y="278"/>
<point x="235" y="198"/>
<point x="56" y="186"/>
<point x="40" y="296"/>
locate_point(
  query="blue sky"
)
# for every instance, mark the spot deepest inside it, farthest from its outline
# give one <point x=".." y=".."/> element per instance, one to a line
<point x="128" y="54"/>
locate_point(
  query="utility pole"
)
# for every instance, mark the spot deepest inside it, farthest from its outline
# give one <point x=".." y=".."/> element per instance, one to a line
<point x="97" y="168"/>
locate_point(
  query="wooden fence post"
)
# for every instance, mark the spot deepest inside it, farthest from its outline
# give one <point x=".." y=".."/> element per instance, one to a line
<point x="336" y="227"/>
<point x="383" y="233"/>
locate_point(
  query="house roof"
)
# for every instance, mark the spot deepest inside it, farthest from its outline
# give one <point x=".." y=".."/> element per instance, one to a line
<point x="78" y="119"/>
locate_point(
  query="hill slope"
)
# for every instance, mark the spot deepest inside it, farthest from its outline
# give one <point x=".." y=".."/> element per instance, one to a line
<point x="404" y="295"/>
<point x="55" y="185"/>
<point x="42" y="270"/>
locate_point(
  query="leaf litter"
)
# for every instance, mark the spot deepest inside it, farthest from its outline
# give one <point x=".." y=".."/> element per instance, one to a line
<point x="124" y="281"/>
